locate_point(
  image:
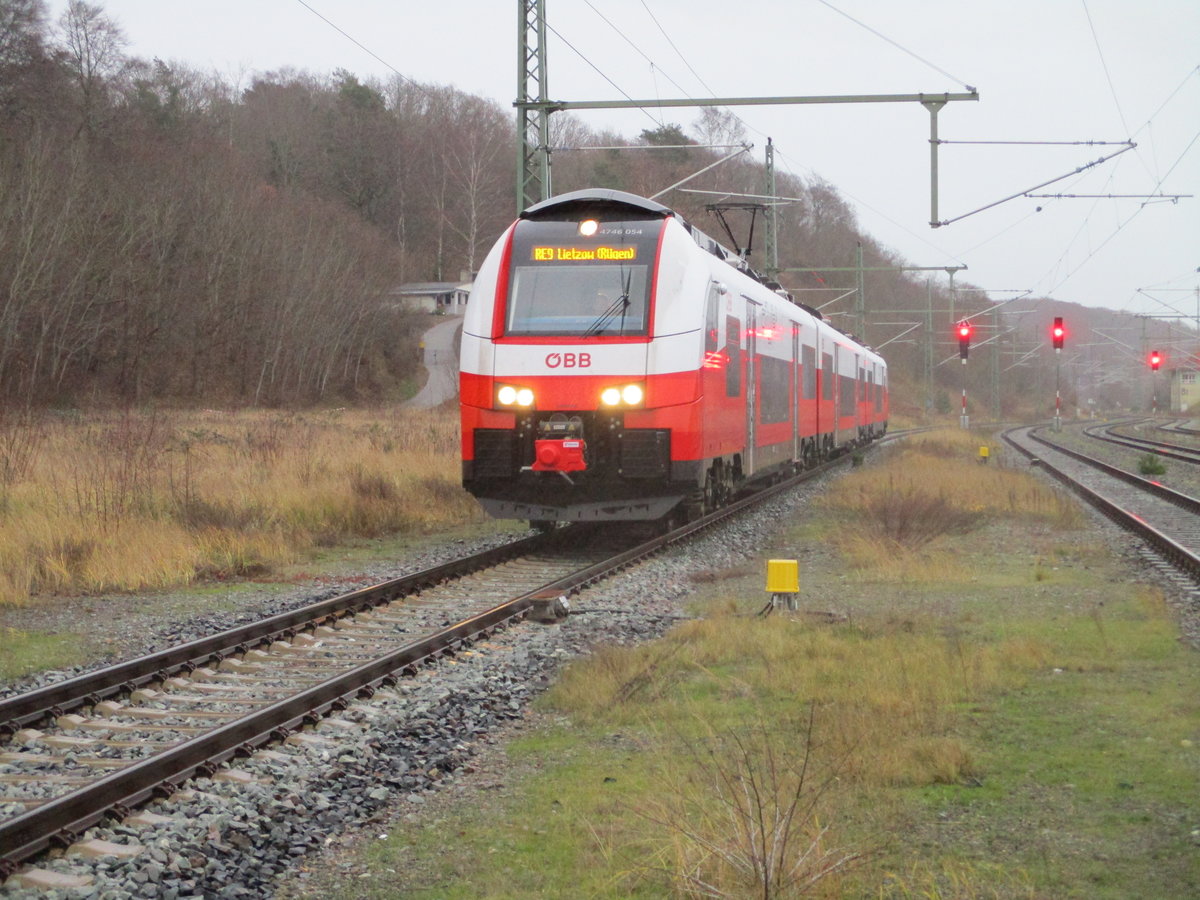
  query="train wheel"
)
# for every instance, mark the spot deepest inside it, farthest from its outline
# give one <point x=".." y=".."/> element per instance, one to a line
<point x="712" y="492"/>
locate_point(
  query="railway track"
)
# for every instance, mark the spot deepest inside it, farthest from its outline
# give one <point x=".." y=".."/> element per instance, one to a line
<point x="1167" y="520"/>
<point x="1116" y="434"/>
<point x="106" y="742"/>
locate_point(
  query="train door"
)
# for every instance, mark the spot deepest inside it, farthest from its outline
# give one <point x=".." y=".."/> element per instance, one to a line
<point x="827" y="423"/>
<point x="818" y="388"/>
<point x="838" y="390"/>
<point x="860" y="396"/>
<point x="795" y="392"/>
<point x="809" y="405"/>
<point x="751" y="356"/>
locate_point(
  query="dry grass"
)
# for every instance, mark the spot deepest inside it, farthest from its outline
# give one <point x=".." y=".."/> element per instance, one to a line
<point x="745" y="813"/>
<point x="885" y="692"/>
<point x="932" y="487"/>
<point x="134" y="500"/>
<point x="955" y="880"/>
<point x="745" y="808"/>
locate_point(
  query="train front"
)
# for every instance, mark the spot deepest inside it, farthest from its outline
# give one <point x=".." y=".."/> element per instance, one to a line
<point x="557" y="395"/>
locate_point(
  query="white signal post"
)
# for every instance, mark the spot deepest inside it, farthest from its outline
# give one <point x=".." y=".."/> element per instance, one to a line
<point x="1057" y="389"/>
<point x="963" y="330"/>
<point x="1057" y="335"/>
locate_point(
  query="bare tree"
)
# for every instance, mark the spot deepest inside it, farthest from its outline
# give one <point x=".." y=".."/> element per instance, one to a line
<point x="21" y="23"/>
<point x="717" y="125"/>
<point x="94" y="45"/>
<point x="477" y="166"/>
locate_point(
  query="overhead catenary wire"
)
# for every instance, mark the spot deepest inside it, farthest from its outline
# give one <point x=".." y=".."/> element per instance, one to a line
<point x="654" y="19"/>
<point x="788" y="165"/>
<point x="601" y="73"/>
<point x="1132" y="215"/>
<point x="1104" y="65"/>
<point x="1042" y="143"/>
<point x="738" y="118"/>
<point x="654" y="66"/>
<point x="1057" y="282"/>
<point x="791" y="163"/>
<point x="1158" y="183"/>
<point x="1080" y="169"/>
<point x="362" y="46"/>
<point x="899" y="47"/>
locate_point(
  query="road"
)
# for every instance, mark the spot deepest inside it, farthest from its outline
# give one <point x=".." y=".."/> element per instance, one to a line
<point x="441" y="361"/>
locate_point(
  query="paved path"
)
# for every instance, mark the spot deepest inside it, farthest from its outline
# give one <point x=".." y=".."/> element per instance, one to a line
<point x="441" y="361"/>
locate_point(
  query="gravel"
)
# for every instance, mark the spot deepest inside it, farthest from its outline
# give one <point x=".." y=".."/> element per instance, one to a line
<point x="1181" y="476"/>
<point x="227" y="839"/>
<point x="134" y="625"/>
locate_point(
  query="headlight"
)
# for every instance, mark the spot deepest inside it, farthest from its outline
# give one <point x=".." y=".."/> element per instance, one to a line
<point x="508" y="395"/>
<point x="625" y="395"/>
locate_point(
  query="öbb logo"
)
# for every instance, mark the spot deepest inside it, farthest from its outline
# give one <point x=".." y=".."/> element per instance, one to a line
<point x="568" y="360"/>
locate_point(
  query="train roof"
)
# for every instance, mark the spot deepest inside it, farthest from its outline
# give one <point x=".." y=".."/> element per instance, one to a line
<point x="595" y="199"/>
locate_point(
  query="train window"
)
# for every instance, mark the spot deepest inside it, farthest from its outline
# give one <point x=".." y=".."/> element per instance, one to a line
<point x="712" y="320"/>
<point x="733" y="347"/>
<point x="775" y="389"/>
<point x="577" y="299"/>
<point x="846" y="395"/>
<point x="828" y="376"/>
<point x="808" y="372"/>
<point x="565" y="283"/>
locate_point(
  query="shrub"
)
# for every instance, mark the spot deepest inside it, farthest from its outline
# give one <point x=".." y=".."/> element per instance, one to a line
<point x="744" y="814"/>
<point x="1149" y="464"/>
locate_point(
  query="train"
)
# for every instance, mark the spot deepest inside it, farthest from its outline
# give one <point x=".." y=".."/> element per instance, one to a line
<point x="618" y="364"/>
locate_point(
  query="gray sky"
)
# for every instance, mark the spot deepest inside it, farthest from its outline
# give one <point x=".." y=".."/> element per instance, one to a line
<point x="1046" y="70"/>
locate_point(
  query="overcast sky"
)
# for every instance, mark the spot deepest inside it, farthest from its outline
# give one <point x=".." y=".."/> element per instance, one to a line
<point x="1046" y="70"/>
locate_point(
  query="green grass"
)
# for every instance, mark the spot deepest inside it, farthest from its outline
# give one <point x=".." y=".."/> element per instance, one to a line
<point x="1004" y="714"/>
<point x="563" y="819"/>
<point x="25" y="652"/>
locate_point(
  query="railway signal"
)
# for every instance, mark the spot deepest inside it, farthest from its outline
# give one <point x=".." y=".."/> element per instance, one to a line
<point x="1057" y="333"/>
<point x="963" y="330"/>
<point x="1155" y="362"/>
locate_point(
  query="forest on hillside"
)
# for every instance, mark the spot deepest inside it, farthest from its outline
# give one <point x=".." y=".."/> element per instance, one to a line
<point x="168" y="235"/>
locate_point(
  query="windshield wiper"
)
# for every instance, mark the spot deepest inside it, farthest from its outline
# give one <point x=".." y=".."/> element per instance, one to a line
<point x="618" y="306"/>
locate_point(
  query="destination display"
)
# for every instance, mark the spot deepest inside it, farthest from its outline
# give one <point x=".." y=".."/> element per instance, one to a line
<point x="584" y="254"/>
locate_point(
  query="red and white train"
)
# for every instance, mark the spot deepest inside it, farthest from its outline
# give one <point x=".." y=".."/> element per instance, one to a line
<point x="618" y="364"/>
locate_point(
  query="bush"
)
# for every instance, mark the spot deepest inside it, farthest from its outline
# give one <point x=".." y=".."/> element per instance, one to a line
<point x="912" y="516"/>
<point x="1150" y="464"/>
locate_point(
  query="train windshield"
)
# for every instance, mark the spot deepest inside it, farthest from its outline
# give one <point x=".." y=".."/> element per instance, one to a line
<point x="566" y="284"/>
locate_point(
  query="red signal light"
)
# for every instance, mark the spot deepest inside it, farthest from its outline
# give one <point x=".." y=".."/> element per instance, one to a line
<point x="1155" y="360"/>
<point x="1057" y="333"/>
<point x="963" y="330"/>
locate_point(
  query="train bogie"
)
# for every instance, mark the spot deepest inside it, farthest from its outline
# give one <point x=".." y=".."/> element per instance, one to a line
<point x="617" y="364"/>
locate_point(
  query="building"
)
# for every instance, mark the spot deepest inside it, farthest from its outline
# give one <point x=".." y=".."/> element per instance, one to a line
<point x="440" y="297"/>
<point x="1185" y="391"/>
